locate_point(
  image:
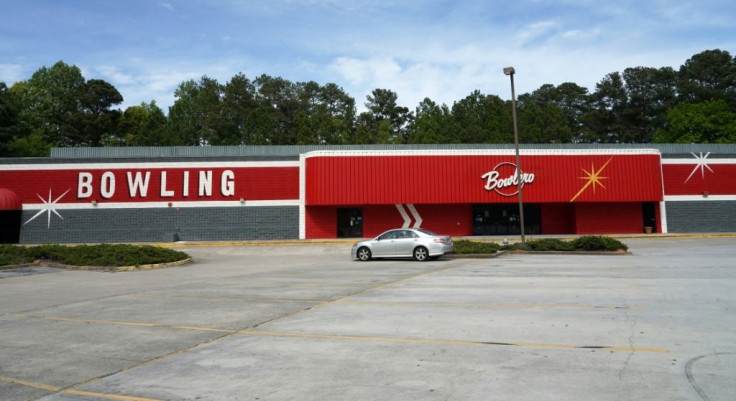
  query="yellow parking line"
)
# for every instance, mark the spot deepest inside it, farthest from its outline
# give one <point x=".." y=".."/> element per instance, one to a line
<point x="29" y="384"/>
<point x="261" y="284"/>
<point x="452" y="342"/>
<point x="119" y="323"/>
<point x="530" y="287"/>
<point x="55" y="389"/>
<point x="108" y="396"/>
<point x="495" y="305"/>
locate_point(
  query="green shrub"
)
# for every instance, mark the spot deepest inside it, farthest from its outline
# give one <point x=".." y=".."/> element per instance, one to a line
<point x="550" y="244"/>
<point x="13" y="255"/>
<point x="585" y="243"/>
<point x="598" y="243"/>
<point x="47" y="252"/>
<point x="104" y="255"/>
<point x="463" y="246"/>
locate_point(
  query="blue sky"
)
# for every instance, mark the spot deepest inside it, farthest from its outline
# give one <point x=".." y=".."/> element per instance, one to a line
<point x="438" y="49"/>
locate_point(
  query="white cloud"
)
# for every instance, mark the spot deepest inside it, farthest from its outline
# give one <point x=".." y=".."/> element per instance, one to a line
<point x="536" y="30"/>
<point x="357" y="71"/>
<point x="414" y="81"/>
<point x="11" y="73"/>
<point x="113" y="74"/>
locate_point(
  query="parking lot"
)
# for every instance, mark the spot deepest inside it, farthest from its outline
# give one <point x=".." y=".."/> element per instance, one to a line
<point x="287" y="322"/>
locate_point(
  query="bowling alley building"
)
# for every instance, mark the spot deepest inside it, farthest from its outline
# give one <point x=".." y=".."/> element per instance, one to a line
<point x="163" y="194"/>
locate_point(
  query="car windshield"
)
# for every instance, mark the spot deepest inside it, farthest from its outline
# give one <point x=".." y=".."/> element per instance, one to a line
<point x="429" y="233"/>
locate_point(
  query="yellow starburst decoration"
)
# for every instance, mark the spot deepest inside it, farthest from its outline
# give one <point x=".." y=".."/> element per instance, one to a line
<point x="594" y="178"/>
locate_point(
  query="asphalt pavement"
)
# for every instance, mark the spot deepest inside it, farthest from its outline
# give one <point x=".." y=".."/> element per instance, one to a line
<point x="281" y="321"/>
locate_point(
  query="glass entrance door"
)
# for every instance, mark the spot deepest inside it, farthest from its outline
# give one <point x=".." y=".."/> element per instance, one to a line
<point x="503" y="219"/>
<point x="349" y="223"/>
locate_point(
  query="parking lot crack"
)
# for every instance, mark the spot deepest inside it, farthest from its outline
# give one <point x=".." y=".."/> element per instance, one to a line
<point x="632" y="329"/>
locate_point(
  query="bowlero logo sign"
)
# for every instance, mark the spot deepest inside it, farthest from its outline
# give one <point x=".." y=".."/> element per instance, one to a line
<point x="504" y="179"/>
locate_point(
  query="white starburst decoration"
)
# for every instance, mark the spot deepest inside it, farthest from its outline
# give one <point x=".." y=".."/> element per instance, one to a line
<point x="48" y="207"/>
<point x="701" y="164"/>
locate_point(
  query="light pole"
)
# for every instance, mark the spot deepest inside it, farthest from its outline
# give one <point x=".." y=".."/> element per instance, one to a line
<point x="510" y="72"/>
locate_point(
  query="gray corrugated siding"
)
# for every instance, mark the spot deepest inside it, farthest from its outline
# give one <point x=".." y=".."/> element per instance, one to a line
<point x="163" y="225"/>
<point x="701" y="216"/>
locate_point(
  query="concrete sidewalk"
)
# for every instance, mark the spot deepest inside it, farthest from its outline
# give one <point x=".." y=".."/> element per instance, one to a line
<point x="496" y="239"/>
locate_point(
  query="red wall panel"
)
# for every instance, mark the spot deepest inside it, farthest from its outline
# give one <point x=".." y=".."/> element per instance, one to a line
<point x="437" y="179"/>
<point x="321" y="222"/>
<point x="447" y="219"/>
<point x="444" y="219"/>
<point x="558" y="218"/>
<point x="379" y="218"/>
<point x="609" y="218"/>
<point x="691" y="179"/>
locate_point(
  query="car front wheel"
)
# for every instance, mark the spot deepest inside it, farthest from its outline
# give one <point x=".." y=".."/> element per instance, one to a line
<point x="364" y="254"/>
<point x="421" y="254"/>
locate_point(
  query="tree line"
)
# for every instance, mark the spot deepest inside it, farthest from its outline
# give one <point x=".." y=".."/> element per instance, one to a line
<point x="58" y="107"/>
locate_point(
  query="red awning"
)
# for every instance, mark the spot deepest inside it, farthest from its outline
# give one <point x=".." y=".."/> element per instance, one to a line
<point x="9" y="200"/>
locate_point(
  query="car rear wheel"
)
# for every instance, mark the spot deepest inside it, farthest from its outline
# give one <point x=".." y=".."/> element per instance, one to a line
<point x="421" y="254"/>
<point x="364" y="254"/>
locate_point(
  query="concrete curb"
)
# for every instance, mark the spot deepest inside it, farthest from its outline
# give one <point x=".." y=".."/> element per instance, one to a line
<point x="473" y="255"/>
<point x="582" y="253"/>
<point x="110" y="269"/>
<point x="150" y="266"/>
<point x="300" y="242"/>
<point x="521" y="252"/>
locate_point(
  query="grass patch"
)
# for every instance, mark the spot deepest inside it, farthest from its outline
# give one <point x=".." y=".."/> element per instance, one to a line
<point x="104" y="255"/>
<point x="585" y="243"/>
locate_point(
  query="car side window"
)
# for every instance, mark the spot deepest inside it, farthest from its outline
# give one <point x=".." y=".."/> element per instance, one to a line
<point x="388" y="235"/>
<point x="410" y="234"/>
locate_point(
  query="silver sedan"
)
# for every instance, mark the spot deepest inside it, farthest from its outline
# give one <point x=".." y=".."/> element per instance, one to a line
<point x="403" y="243"/>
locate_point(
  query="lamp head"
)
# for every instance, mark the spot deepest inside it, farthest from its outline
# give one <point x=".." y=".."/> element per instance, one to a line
<point x="509" y="71"/>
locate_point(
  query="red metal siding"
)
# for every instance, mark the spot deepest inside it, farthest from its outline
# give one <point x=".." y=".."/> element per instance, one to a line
<point x="251" y="183"/>
<point x="442" y="179"/>
<point x="445" y="219"/>
<point x="558" y="218"/>
<point x="321" y="222"/>
<point x="692" y="179"/>
<point x="379" y="218"/>
<point x="609" y="218"/>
